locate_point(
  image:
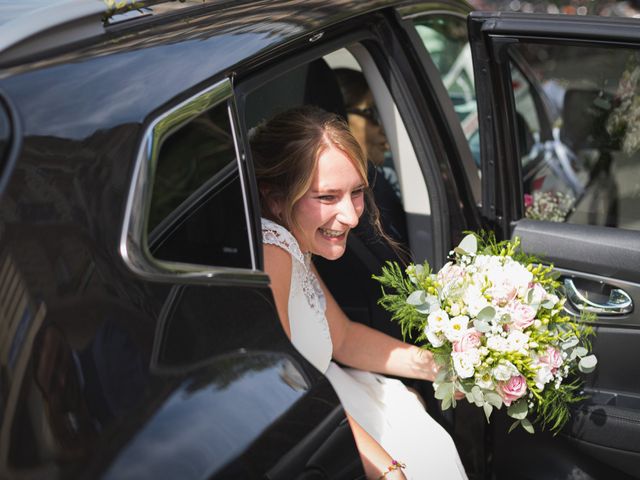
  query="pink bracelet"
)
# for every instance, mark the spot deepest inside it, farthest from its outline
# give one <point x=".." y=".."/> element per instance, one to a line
<point x="395" y="465"/>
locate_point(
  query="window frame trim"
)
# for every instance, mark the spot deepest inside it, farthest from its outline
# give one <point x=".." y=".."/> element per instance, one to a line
<point x="133" y="247"/>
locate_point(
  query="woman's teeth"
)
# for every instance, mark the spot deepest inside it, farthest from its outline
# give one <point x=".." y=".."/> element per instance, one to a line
<point x="331" y="233"/>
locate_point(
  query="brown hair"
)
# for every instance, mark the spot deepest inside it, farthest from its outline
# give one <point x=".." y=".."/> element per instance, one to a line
<point x="285" y="152"/>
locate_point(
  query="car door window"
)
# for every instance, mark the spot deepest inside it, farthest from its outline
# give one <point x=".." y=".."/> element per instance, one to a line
<point x="586" y="171"/>
<point x="197" y="210"/>
<point x="445" y="38"/>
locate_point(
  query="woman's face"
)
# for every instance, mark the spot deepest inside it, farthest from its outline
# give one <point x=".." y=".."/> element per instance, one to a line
<point x="368" y="131"/>
<point x="331" y="207"/>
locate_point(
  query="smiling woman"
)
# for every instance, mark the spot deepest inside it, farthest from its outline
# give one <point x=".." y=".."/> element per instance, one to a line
<point x="311" y="174"/>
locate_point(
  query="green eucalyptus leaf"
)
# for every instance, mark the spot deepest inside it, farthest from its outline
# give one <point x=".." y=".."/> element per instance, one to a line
<point x="493" y="398"/>
<point x="548" y="304"/>
<point x="487" y="411"/>
<point x="444" y="390"/>
<point x="424" y="308"/>
<point x="570" y="343"/>
<point x="487" y="314"/>
<point x="526" y="424"/>
<point x="580" y="351"/>
<point x="478" y="397"/>
<point x="468" y="245"/>
<point x="481" y="326"/>
<point x="442" y="376"/>
<point x="416" y="298"/>
<point x="587" y="364"/>
<point x="513" y="426"/>
<point x="518" y="410"/>
<point x="446" y="403"/>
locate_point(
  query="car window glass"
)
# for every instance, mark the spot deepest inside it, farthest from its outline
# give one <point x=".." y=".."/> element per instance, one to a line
<point x="197" y="212"/>
<point x="585" y="170"/>
<point x="445" y="38"/>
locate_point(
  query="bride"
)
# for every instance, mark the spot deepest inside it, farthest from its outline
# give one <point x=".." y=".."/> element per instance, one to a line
<point x="312" y="178"/>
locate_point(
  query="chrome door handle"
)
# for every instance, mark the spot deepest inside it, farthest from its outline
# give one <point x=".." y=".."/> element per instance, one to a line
<point x="619" y="302"/>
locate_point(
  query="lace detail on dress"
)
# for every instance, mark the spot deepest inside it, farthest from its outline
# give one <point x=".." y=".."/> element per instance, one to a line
<point x="275" y="234"/>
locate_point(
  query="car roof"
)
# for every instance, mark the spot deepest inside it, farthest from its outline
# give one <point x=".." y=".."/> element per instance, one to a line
<point x="37" y="28"/>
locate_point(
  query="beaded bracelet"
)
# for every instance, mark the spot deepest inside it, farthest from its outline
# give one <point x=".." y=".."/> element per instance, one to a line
<point x="395" y="465"/>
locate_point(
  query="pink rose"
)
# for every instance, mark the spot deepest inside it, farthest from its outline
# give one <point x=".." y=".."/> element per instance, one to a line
<point x="512" y="389"/>
<point x="522" y="315"/>
<point x="502" y="293"/>
<point x="552" y="358"/>
<point x="528" y="200"/>
<point x="449" y="273"/>
<point x="470" y="339"/>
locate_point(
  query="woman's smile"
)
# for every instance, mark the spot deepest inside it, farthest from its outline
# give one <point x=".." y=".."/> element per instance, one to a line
<point x="331" y="207"/>
<point x="333" y="233"/>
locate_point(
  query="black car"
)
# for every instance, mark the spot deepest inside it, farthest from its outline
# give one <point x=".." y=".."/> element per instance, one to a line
<point x="138" y="333"/>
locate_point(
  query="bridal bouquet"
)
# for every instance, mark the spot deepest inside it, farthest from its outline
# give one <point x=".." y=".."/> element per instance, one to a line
<point x="494" y="320"/>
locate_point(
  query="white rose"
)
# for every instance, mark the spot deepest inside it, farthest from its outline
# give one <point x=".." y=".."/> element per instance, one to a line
<point x="464" y="363"/>
<point x="456" y="328"/>
<point x="438" y="320"/>
<point x="504" y="371"/>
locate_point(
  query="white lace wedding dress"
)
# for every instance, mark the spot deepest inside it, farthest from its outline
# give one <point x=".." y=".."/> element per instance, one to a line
<point x="382" y="406"/>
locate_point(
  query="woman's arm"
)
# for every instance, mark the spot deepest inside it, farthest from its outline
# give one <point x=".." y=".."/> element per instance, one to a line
<point x="277" y="264"/>
<point x="360" y="346"/>
<point x="375" y="459"/>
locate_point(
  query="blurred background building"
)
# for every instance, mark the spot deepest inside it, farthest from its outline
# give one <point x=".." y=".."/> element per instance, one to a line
<point x="630" y="8"/>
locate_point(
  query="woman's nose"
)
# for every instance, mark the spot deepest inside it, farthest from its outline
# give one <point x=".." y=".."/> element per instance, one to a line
<point x="348" y="214"/>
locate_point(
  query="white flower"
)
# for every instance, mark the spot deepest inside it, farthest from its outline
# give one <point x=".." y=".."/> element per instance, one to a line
<point x="454" y="309"/>
<point x="484" y="381"/>
<point x="538" y="294"/>
<point x="438" y="320"/>
<point x="543" y="375"/>
<point x="435" y="338"/>
<point x="474" y="299"/>
<point x="497" y="343"/>
<point x="464" y="362"/>
<point x="517" y="341"/>
<point x="456" y="327"/>
<point x="504" y="371"/>
<point x="519" y="276"/>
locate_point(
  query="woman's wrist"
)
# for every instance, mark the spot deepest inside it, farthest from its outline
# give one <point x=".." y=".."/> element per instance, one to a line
<point x="425" y="364"/>
<point x="393" y="471"/>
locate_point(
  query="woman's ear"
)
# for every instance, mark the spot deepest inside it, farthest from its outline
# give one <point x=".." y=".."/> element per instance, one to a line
<point x="272" y="200"/>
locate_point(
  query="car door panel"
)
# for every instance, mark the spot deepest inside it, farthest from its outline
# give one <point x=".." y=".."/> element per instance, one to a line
<point x="602" y="264"/>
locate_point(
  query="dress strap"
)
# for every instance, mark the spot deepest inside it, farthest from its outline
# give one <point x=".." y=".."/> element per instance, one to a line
<point x="275" y="234"/>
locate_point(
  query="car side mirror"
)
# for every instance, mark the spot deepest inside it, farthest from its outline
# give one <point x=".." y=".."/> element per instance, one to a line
<point x="584" y="120"/>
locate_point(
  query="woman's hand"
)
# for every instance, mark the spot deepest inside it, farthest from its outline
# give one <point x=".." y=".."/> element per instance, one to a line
<point x="430" y="368"/>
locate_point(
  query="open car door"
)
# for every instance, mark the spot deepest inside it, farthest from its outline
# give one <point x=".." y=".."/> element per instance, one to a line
<point x="559" y="109"/>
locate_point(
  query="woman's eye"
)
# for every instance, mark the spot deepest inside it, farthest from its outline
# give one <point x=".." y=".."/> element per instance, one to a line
<point x="326" y="198"/>
<point x="358" y="192"/>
